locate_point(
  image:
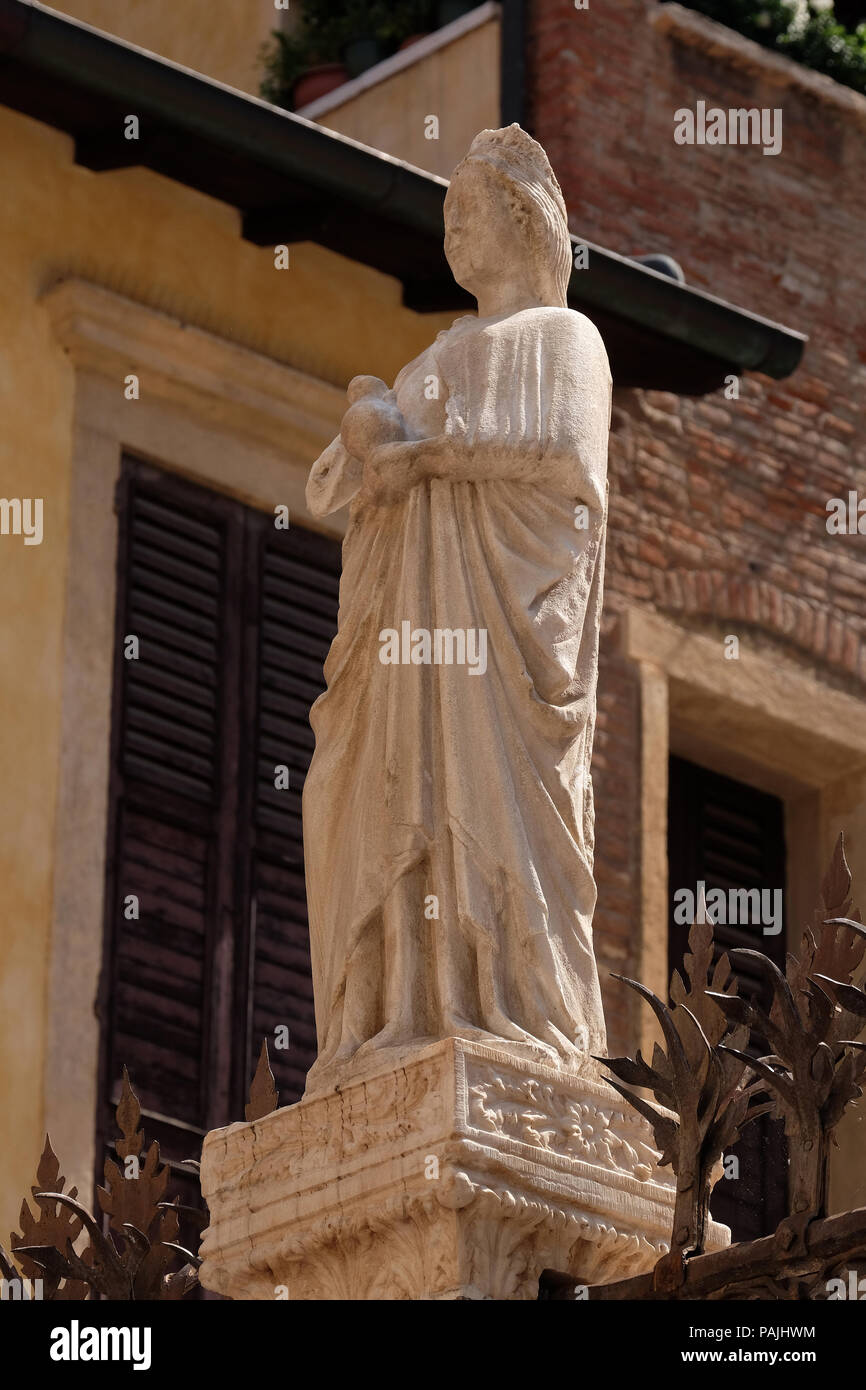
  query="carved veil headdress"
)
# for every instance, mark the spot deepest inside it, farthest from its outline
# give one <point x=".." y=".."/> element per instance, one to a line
<point x="538" y="203"/>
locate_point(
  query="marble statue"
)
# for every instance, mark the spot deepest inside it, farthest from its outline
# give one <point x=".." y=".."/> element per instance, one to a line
<point x="448" y="809"/>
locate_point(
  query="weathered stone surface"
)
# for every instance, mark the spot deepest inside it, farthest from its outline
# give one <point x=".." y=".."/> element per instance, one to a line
<point x="463" y="1174"/>
<point x="448" y="808"/>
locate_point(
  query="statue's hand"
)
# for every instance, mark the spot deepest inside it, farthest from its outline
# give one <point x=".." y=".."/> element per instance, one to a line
<point x="390" y="471"/>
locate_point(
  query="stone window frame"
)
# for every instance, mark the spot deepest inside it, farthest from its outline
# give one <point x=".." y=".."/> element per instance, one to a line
<point x="221" y="415"/>
<point x="765" y="720"/>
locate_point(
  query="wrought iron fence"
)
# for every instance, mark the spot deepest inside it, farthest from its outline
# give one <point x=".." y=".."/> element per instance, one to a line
<point x="707" y="1088"/>
<point x="129" y="1254"/>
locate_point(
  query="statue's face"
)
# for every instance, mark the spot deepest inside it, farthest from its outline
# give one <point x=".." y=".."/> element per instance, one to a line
<point x="482" y="240"/>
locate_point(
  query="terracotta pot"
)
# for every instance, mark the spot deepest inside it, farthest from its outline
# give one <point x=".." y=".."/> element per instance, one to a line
<point x="413" y="38"/>
<point x="317" y="82"/>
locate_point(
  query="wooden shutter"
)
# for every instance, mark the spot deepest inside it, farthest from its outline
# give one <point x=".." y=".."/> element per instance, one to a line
<point x="233" y="621"/>
<point x="295" y="623"/>
<point x="728" y="835"/>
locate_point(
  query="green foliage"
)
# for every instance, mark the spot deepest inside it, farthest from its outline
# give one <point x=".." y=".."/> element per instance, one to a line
<point x="809" y="35"/>
<point x="327" y="27"/>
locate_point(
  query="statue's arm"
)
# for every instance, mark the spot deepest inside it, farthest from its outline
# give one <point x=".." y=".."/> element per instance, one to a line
<point x="450" y="456"/>
<point x="334" y="479"/>
<point x="393" y="469"/>
<point x="543" y="423"/>
<point x="547" y="427"/>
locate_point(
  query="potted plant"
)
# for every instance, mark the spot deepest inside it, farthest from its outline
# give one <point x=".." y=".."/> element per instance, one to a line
<point x="298" y="69"/>
<point x="363" y="41"/>
<point x="337" y="39"/>
<point x="378" y="29"/>
<point x="317" y="81"/>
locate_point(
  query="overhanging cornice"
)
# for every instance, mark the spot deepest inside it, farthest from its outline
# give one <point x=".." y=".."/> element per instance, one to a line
<point x="230" y="386"/>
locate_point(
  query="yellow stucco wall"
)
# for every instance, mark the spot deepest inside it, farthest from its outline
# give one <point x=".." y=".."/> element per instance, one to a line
<point x="221" y="38"/>
<point x="168" y="247"/>
<point x="459" y="84"/>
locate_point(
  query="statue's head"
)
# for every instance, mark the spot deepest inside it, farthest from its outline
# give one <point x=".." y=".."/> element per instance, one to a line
<point x="505" y="216"/>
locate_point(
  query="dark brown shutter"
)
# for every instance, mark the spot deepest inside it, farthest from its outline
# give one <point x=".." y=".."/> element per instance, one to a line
<point x="728" y="835"/>
<point x="295" y="624"/>
<point x="234" y="620"/>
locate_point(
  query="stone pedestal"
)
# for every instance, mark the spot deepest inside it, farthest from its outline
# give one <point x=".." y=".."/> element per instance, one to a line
<point x="462" y="1174"/>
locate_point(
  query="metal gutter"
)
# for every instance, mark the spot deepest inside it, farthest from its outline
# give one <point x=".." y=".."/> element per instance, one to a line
<point x="56" y="46"/>
<point x="691" y="315"/>
<point x="294" y="180"/>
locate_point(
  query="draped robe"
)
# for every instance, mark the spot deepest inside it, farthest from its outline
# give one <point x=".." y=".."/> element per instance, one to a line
<point x="474" y="789"/>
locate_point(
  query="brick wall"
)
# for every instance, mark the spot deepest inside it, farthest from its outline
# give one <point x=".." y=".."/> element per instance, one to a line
<point x="718" y="507"/>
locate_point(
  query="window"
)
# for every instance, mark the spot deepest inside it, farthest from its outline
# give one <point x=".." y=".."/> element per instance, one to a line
<point x="223" y="624"/>
<point x="728" y="835"/>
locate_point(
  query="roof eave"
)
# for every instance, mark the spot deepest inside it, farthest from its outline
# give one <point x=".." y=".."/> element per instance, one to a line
<point x="296" y="181"/>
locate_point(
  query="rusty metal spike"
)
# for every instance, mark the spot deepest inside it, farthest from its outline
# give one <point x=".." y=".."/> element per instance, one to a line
<point x="263" y="1092"/>
<point x="53" y="1226"/>
<point x="128" y="1114"/>
<point x="48" y="1171"/>
<point x="836" y="883"/>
